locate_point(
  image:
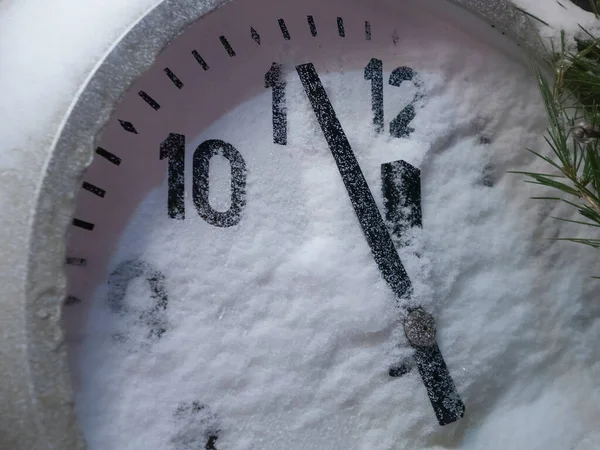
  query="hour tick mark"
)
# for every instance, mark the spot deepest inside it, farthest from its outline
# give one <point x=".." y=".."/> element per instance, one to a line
<point x="395" y="37"/>
<point x="340" y="26"/>
<point x="367" y="30"/>
<point x="128" y="126"/>
<point x="284" y="30"/>
<point x="109" y="156"/>
<point x="227" y="46"/>
<point x="399" y="369"/>
<point x="200" y="60"/>
<point x="153" y="103"/>
<point x="83" y="224"/>
<point x="93" y="189"/>
<point x="176" y="81"/>
<point x="210" y="444"/>
<point x="255" y="35"/>
<point x="72" y="300"/>
<point x="311" y="25"/>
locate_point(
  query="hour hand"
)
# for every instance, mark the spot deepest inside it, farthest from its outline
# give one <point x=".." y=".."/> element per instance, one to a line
<point x="440" y="388"/>
<point x="419" y="327"/>
<point x="401" y="190"/>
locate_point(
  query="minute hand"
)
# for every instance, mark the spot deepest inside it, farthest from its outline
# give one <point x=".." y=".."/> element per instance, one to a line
<point x="443" y="396"/>
<point x="370" y="219"/>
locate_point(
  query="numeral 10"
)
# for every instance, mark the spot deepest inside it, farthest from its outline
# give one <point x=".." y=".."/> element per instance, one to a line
<point x="173" y="149"/>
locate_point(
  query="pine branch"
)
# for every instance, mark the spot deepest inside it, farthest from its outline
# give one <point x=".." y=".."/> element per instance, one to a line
<point x="572" y="103"/>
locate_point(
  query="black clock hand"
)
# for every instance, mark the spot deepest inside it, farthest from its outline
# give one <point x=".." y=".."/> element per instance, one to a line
<point x="443" y="396"/>
<point x="360" y="195"/>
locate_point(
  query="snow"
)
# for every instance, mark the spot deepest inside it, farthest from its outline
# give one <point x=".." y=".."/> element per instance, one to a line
<point x="277" y="367"/>
<point x="288" y="334"/>
<point x="559" y="15"/>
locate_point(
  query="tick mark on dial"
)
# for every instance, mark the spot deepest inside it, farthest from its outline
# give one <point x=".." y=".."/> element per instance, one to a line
<point x="395" y="37"/>
<point x="340" y="26"/>
<point x="176" y="81"/>
<point x="284" y="30"/>
<point x="200" y="60"/>
<point x="367" y="30"/>
<point x="488" y="176"/>
<point x="210" y="444"/>
<point x="93" y="189"/>
<point x="153" y="103"/>
<point x="108" y="156"/>
<point x="227" y="46"/>
<point x="83" y="224"/>
<point x="72" y="300"/>
<point x="400" y="369"/>
<point x="80" y="262"/>
<point x="128" y="126"/>
<point x="197" y="425"/>
<point x="311" y="25"/>
<point x="255" y="35"/>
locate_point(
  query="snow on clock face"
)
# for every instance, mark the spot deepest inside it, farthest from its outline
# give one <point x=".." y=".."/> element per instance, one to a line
<point x="298" y="232"/>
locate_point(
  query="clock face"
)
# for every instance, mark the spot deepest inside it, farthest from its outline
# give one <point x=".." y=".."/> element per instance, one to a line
<point x="298" y="231"/>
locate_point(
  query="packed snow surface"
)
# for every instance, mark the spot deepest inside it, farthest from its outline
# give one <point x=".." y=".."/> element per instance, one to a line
<point x="280" y="331"/>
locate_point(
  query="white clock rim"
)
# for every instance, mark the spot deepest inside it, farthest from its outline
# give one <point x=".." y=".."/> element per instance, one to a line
<point x="50" y="410"/>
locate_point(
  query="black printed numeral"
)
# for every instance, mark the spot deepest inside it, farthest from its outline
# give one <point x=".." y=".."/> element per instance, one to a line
<point x="154" y="317"/>
<point x="399" y="125"/>
<point x="173" y="149"/>
<point x="274" y="80"/>
<point x="374" y="72"/>
<point x="401" y="191"/>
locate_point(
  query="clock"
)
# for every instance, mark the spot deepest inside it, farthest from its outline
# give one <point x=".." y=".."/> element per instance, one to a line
<point x="289" y="224"/>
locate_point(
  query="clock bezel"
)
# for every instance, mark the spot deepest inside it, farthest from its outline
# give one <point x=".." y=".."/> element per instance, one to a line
<point x="72" y="151"/>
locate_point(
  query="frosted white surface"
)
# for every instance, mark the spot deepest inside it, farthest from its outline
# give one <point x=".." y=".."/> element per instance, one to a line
<point x="283" y="327"/>
<point x="522" y="349"/>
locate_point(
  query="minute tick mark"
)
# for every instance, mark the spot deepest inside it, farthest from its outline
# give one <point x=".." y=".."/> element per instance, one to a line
<point x="340" y="26"/>
<point x="176" y="81"/>
<point x="227" y="46"/>
<point x="311" y="25"/>
<point x="284" y="30"/>
<point x="71" y="261"/>
<point x="93" y="189"/>
<point x="108" y="156"/>
<point x="255" y="35"/>
<point x="153" y="103"/>
<point x="200" y="60"/>
<point x="83" y="224"/>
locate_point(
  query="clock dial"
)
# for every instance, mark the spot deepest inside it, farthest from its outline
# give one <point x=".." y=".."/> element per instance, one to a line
<point x="297" y="231"/>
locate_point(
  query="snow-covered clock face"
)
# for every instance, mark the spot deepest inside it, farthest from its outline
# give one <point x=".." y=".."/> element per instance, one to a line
<point x="298" y="232"/>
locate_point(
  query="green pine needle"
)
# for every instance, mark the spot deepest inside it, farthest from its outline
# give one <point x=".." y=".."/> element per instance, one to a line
<point x="571" y="98"/>
<point x="532" y="16"/>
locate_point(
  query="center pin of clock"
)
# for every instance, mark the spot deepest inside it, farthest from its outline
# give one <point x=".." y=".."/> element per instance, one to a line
<point x="419" y="328"/>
